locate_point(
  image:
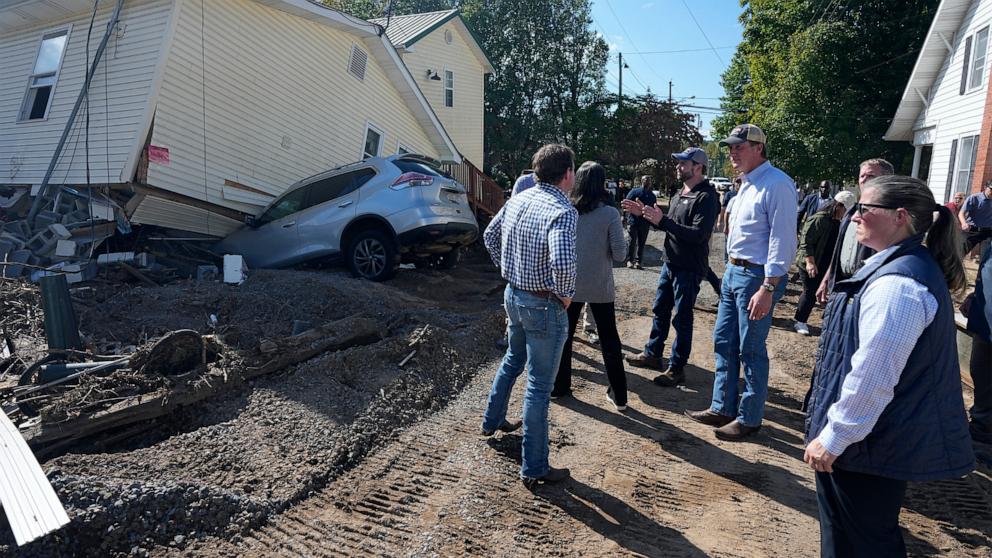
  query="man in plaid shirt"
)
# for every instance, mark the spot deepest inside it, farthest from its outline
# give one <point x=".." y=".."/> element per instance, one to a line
<point x="532" y="241"/>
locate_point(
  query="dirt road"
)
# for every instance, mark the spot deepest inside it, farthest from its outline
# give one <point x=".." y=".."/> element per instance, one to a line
<point x="646" y="482"/>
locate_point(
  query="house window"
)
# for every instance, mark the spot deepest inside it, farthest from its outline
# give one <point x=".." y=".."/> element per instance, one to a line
<point x="977" y="74"/>
<point x="373" y="142"/>
<point x="965" y="168"/>
<point x="402" y="149"/>
<point x="41" y="84"/>
<point x="449" y="88"/>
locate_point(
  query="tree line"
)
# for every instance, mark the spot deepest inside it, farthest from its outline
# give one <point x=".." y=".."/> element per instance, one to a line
<point x="823" y="78"/>
<point x="549" y="86"/>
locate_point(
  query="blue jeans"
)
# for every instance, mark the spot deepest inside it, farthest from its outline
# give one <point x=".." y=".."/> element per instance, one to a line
<point x="738" y="340"/>
<point x="676" y="289"/>
<point x="537" y="331"/>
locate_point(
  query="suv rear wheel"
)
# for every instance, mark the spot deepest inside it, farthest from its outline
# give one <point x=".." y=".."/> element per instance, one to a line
<point x="372" y="255"/>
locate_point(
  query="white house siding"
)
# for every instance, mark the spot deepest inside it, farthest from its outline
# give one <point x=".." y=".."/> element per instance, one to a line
<point x="464" y="121"/>
<point x="951" y="115"/>
<point x="121" y="86"/>
<point x="279" y="104"/>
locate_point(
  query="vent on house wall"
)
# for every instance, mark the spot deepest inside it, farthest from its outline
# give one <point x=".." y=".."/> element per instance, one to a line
<point x="359" y="60"/>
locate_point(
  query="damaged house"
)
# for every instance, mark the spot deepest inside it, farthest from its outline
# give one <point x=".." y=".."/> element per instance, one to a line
<point x="199" y="113"/>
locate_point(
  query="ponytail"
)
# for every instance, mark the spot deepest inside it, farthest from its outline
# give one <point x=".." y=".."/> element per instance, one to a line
<point x="946" y="246"/>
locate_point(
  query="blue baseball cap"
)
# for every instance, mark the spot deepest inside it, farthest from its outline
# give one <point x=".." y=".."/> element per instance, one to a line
<point x="693" y="154"/>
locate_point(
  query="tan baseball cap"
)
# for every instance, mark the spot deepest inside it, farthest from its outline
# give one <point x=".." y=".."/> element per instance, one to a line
<point x="742" y="133"/>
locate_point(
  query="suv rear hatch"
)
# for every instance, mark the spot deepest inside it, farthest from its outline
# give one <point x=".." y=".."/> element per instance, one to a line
<point x="443" y="194"/>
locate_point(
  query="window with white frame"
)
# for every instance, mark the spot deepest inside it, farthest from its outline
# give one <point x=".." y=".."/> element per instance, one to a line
<point x="449" y="88"/>
<point x="979" y="57"/>
<point x="965" y="167"/>
<point x="402" y="149"/>
<point x="373" y="142"/>
<point x="44" y="76"/>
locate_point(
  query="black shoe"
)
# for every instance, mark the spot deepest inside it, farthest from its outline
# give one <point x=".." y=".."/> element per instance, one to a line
<point x="507" y="426"/>
<point x="559" y="395"/>
<point x="553" y="475"/>
<point x="670" y="378"/>
<point x="618" y="408"/>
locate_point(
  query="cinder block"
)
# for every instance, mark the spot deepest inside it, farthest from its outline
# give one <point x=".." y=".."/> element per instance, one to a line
<point x="115" y="257"/>
<point x="77" y="273"/>
<point x="207" y="273"/>
<point x="18" y="228"/>
<point x="46" y="218"/>
<point x="13" y="268"/>
<point x="78" y="216"/>
<point x="144" y="259"/>
<point x="45" y="241"/>
<point x="65" y="204"/>
<point x="66" y="249"/>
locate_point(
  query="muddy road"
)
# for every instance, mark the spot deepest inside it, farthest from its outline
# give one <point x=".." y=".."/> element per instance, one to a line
<point x="351" y="455"/>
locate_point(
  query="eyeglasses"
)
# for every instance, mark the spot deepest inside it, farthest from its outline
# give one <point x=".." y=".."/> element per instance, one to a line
<point x="861" y="207"/>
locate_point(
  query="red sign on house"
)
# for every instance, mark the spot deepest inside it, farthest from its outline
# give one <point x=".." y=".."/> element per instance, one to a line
<point x="158" y="155"/>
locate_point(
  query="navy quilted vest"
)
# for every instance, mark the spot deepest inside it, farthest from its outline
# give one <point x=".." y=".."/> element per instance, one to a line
<point x="923" y="433"/>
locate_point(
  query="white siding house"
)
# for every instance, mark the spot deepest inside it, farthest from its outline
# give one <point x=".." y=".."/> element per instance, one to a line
<point x="214" y="106"/>
<point x="450" y="67"/>
<point x="943" y="105"/>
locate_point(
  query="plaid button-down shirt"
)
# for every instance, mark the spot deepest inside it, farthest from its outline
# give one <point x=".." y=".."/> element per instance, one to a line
<point x="532" y="241"/>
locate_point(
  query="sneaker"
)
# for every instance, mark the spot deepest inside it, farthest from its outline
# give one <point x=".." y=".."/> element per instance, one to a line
<point x="644" y="360"/>
<point x="507" y="426"/>
<point x="553" y="475"/>
<point x="619" y="408"/>
<point x="630" y="265"/>
<point x="801" y="328"/>
<point x="637" y="265"/>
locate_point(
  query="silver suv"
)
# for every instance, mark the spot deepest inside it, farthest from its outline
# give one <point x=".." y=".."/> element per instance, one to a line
<point x="376" y="213"/>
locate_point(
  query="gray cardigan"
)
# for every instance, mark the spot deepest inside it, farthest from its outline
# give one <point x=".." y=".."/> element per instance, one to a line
<point x="599" y="242"/>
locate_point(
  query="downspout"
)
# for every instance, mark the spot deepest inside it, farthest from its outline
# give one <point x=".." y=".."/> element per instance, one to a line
<point x="36" y="205"/>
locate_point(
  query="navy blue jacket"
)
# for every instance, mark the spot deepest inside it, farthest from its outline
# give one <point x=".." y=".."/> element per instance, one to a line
<point x="647" y="197"/>
<point x="923" y="433"/>
<point x="980" y="313"/>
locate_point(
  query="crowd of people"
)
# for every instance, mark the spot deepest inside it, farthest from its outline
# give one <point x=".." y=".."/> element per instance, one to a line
<point x="885" y="404"/>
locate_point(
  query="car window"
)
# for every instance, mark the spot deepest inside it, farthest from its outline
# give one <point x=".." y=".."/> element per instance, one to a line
<point x="409" y="165"/>
<point x="337" y="186"/>
<point x="289" y="204"/>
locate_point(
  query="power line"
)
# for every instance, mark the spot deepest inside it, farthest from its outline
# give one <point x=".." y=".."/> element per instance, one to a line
<point x="682" y="51"/>
<point x="700" y="27"/>
<point x="631" y="38"/>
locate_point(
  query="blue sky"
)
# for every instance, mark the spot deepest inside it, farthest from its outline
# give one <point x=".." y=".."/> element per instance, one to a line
<point x="646" y="30"/>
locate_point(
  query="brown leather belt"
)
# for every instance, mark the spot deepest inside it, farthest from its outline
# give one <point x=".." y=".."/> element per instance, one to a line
<point x="742" y="263"/>
<point x="544" y="294"/>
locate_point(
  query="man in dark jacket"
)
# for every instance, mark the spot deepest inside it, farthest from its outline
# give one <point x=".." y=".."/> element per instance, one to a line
<point x="978" y="308"/>
<point x="689" y="224"/>
<point x="814" y="202"/>
<point x="637" y="226"/>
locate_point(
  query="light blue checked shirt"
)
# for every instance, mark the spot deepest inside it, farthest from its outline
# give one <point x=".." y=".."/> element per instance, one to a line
<point x="763" y="224"/>
<point x="532" y="241"/>
<point x="895" y="310"/>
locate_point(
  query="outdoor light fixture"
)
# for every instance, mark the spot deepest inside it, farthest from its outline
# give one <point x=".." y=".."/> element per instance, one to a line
<point x="432" y="75"/>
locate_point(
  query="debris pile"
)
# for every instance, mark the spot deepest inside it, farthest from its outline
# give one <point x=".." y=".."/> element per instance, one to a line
<point x="61" y="239"/>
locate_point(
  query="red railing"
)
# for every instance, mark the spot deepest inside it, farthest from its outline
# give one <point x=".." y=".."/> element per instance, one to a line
<point x="484" y="195"/>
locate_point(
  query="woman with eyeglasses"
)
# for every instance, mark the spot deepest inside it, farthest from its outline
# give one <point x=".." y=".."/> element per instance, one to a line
<point x="885" y="406"/>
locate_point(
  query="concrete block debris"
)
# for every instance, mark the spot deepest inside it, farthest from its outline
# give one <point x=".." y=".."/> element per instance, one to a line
<point x="115" y="257"/>
<point x="46" y="218"/>
<point x="45" y="241"/>
<point x="17" y="228"/>
<point x="14" y="267"/>
<point x="207" y="273"/>
<point x="66" y="249"/>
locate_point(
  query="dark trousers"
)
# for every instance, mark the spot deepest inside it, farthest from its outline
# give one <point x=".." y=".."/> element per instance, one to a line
<point x="638" y="232"/>
<point x="859" y="515"/>
<point x="609" y="345"/>
<point x="807" y="300"/>
<point x="677" y="290"/>
<point x="981" y="374"/>
<point x="976" y="236"/>
<point x="713" y="280"/>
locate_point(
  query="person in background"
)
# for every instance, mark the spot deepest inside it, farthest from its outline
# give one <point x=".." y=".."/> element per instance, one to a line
<point x="976" y="216"/>
<point x="688" y="227"/>
<point x="885" y="406"/>
<point x="532" y="241"/>
<point x="814" y="202"/>
<point x="637" y="226"/>
<point x="598" y="243"/>
<point x="957" y="201"/>
<point x="762" y="246"/>
<point x="849" y="254"/>
<point x="725" y="197"/>
<point x="816" y="243"/>
<point x="977" y="307"/>
<point x="524" y="181"/>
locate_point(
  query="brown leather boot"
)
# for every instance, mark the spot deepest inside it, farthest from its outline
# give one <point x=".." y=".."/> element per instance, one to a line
<point x="735" y="431"/>
<point x="709" y="418"/>
<point x="644" y="360"/>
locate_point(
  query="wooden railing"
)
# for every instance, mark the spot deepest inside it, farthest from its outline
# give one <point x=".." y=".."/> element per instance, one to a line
<point x="484" y="195"/>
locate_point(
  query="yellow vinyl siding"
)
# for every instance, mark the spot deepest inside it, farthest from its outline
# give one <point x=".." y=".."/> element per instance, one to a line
<point x="271" y="79"/>
<point x="464" y="121"/>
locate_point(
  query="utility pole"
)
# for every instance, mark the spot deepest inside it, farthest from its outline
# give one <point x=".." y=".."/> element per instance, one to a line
<point x="669" y="91"/>
<point x="620" y="96"/>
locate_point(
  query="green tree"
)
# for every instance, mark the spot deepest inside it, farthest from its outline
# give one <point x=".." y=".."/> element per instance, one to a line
<point x="824" y="79"/>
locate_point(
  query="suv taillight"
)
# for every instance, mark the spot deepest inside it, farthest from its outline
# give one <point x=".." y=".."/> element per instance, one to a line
<point x="408" y="179"/>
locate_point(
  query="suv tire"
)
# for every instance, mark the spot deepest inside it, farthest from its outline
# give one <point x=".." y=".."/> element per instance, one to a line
<point x="372" y="255"/>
